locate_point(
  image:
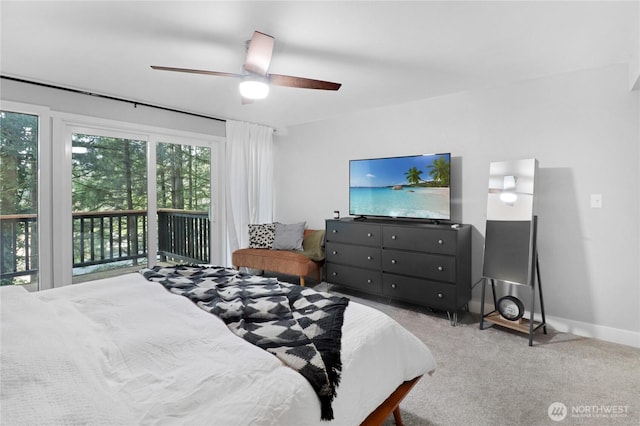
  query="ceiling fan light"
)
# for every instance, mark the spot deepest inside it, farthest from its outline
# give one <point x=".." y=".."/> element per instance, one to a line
<point x="252" y="88"/>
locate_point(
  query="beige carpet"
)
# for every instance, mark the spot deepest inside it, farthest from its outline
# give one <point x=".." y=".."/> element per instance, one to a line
<point x="492" y="376"/>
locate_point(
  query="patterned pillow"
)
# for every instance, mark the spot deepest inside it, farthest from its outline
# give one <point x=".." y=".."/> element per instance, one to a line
<point x="261" y="236"/>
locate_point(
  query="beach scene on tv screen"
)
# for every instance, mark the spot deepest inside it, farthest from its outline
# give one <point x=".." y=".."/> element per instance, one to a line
<point x="415" y="187"/>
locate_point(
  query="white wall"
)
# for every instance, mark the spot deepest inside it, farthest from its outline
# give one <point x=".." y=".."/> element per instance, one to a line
<point x="583" y="127"/>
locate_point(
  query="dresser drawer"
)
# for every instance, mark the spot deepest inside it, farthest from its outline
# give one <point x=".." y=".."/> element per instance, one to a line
<point x="424" y="292"/>
<point x="353" y="233"/>
<point x="422" y="265"/>
<point x="361" y="279"/>
<point x="420" y="239"/>
<point x="359" y="256"/>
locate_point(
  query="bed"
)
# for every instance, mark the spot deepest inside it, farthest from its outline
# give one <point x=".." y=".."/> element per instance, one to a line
<point x="124" y="350"/>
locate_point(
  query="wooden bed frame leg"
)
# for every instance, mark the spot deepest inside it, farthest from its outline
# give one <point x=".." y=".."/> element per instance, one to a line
<point x="301" y="281"/>
<point x="397" y="417"/>
<point x="390" y="405"/>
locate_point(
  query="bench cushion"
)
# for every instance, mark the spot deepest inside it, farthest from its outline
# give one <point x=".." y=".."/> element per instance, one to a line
<point x="288" y="262"/>
<point x="282" y="261"/>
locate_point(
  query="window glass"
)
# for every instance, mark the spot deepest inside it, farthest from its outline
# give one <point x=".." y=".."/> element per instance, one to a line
<point x="183" y="186"/>
<point x="109" y="205"/>
<point x="19" y="199"/>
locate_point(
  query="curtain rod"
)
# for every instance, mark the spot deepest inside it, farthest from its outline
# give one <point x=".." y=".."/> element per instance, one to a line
<point x="113" y="98"/>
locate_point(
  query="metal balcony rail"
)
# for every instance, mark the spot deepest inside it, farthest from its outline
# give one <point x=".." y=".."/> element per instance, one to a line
<point x="106" y="237"/>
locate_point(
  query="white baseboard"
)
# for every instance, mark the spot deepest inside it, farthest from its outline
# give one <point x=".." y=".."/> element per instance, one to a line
<point x="584" y="329"/>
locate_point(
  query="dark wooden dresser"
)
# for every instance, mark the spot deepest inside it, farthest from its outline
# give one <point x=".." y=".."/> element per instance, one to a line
<point x="424" y="264"/>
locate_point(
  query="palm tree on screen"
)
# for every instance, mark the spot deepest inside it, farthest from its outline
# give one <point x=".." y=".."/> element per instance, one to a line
<point x="439" y="171"/>
<point x="413" y="175"/>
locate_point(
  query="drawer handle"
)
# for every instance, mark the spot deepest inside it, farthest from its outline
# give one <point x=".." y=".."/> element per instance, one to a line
<point x="334" y="252"/>
<point x="440" y="296"/>
<point x="369" y="281"/>
<point x="335" y="231"/>
<point x="393" y="237"/>
<point x="440" y="268"/>
<point x="393" y="261"/>
<point x="440" y="242"/>
<point x="369" y="258"/>
<point x="369" y="234"/>
<point x="393" y="285"/>
<point x="335" y="274"/>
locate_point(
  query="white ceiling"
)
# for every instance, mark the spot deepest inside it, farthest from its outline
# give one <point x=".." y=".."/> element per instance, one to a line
<point x="382" y="52"/>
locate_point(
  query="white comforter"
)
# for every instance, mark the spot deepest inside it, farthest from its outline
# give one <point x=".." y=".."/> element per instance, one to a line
<point x="126" y="351"/>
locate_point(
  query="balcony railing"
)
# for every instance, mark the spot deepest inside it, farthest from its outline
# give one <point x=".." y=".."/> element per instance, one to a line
<point x="185" y="235"/>
<point x="107" y="237"/>
<point x="18" y="246"/>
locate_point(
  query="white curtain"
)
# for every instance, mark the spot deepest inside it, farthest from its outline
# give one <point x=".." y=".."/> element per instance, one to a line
<point x="249" y="191"/>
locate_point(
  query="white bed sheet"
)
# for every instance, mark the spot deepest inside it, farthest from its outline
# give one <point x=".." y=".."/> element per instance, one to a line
<point x="125" y="351"/>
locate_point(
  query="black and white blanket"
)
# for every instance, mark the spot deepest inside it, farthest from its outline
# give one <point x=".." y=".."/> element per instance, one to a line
<point x="301" y="326"/>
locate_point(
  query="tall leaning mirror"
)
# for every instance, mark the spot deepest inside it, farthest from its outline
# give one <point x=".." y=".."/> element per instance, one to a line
<point x="510" y="252"/>
<point x="510" y="230"/>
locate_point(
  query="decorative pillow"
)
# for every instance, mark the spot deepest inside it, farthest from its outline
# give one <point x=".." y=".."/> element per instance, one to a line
<point x="261" y="235"/>
<point x="289" y="236"/>
<point x="314" y="245"/>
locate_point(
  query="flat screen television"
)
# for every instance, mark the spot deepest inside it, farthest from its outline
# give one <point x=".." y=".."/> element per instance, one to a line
<point x="416" y="187"/>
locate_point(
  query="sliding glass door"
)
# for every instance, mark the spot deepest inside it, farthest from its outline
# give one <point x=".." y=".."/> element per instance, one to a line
<point x="83" y="198"/>
<point x="112" y="221"/>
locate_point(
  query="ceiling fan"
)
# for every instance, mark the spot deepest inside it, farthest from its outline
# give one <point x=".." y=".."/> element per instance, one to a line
<point x="255" y="78"/>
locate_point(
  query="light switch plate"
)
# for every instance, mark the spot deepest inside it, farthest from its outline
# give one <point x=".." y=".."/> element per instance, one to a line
<point x="596" y="201"/>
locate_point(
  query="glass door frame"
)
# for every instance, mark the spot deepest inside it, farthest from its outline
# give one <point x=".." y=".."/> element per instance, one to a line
<point x="64" y="230"/>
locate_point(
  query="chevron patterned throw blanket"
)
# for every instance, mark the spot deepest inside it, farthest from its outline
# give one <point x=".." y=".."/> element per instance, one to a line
<point x="300" y="326"/>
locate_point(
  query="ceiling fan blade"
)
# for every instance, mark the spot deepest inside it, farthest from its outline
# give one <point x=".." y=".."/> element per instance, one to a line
<point x="259" y="53"/>
<point x="192" y="71"/>
<point x="302" y="83"/>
